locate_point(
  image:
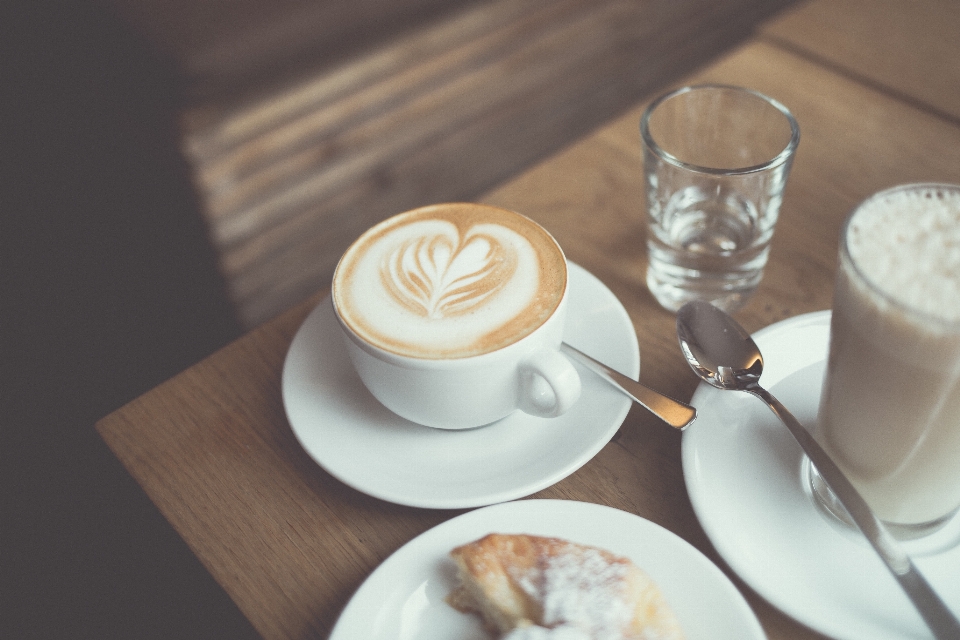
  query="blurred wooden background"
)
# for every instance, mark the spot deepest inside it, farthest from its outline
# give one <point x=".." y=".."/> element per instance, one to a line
<point x="306" y="122"/>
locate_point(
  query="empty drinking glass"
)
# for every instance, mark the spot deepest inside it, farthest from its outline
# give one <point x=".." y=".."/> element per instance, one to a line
<point x="716" y="160"/>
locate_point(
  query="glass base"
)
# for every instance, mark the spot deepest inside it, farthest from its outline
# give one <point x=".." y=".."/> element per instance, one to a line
<point x="828" y="502"/>
<point x="672" y="296"/>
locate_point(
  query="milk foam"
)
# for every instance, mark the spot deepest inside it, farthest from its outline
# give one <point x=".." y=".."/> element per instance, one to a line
<point x="907" y="244"/>
<point x="437" y="274"/>
<point x="449" y="281"/>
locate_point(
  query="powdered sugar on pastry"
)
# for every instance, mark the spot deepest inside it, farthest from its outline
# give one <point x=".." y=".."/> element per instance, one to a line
<point x="535" y="587"/>
<point x="584" y="589"/>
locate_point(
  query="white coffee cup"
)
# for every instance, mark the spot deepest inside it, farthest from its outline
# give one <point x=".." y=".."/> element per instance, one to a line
<point x="453" y="315"/>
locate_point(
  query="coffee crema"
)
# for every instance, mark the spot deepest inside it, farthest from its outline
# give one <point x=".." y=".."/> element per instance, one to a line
<point x="449" y="281"/>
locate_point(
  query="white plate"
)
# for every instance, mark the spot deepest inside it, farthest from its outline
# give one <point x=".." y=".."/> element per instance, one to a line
<point x="403" y="598"/>
<point x="351" y="435"/>
<point x="745" y="476"/>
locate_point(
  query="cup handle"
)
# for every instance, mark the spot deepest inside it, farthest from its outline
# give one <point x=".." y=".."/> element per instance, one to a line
<point x="549" y="384"/>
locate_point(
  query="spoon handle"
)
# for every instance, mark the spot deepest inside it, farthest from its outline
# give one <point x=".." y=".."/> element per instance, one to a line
<point x="935" y="613"/>
<point x="676" y="414"/>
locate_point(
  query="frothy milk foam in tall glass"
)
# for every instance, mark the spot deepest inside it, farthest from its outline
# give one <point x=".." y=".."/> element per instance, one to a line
<point x="450" y="281"/>
<point x="890" y="412"/>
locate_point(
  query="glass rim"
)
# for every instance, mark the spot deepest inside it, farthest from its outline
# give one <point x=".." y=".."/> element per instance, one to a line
<point x="784" y="156"/>
<point x="943" y="323"/>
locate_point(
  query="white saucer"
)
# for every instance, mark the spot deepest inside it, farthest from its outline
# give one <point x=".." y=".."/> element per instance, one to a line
<point x="744" y="473"/>
<point x="351" y="435"/>
<point x="403" y="598"/>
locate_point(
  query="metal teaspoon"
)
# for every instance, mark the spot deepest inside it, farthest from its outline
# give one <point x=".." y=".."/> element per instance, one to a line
<point x="725" y="356"/>
<point x="676" y="414"/>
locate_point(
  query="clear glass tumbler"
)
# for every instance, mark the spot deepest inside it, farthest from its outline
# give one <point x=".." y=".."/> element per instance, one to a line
<point x="890" y="407"/>
<point x="716" y="160"/>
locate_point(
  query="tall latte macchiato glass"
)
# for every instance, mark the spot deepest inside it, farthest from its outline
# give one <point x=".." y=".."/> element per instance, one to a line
<point x="716" y="161"/>
<point x="890" y="408"/>
<point x="453" y="315"/>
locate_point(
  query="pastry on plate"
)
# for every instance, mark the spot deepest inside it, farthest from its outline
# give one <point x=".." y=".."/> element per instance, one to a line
<point x="531" y="588"/>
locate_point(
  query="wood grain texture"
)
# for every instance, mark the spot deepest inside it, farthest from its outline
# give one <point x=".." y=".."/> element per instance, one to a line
<point x="908" y="47"/>
<point x="212" y="450"/>
<point x="289" y="177"/>
<point x="289" y="543"/>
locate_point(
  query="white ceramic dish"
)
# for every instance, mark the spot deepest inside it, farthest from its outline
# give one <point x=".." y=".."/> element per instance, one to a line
<point x="746" y="479"/>
<point x="403" y="598"/>
<point x="352" y="436"/>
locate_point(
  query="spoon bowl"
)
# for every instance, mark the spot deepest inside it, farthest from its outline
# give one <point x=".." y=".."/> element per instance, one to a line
<point x="724" y="355"/>
<point x="717" y="348"/>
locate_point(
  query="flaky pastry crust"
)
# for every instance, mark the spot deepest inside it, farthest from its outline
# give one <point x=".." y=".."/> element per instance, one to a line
<point x="517" y="581"/>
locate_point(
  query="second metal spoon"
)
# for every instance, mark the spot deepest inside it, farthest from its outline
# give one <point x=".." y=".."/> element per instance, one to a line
<point x="725" y="356"/>
<point x="676" y="414"/>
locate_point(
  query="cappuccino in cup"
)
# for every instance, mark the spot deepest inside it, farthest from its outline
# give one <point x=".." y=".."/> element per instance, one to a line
<point x="453" y="315"/>
<point x="890" y="408"/>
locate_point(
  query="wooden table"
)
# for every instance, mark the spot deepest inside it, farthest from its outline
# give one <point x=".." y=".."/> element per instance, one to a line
<point x="290" y="544"/>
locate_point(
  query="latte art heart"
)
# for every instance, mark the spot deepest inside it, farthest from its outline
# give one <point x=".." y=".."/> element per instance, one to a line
<point x="449" y="281"/>
<point x="443" y="276"/>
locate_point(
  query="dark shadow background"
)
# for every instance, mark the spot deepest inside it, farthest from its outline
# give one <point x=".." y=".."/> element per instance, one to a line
<point x="109" y="286"/>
